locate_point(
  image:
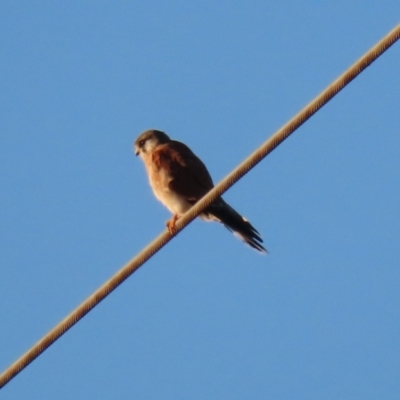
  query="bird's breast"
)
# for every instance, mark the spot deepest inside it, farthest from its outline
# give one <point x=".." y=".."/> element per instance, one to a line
<point x="160" y="179"/>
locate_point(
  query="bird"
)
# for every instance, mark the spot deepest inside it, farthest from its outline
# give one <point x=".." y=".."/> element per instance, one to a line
<point x="179" y="179"/>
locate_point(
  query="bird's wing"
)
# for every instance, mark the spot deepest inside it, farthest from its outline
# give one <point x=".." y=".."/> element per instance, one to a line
<point x="188" y="176"/>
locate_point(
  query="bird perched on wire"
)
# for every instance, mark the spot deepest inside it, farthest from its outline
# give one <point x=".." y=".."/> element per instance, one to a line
<point x="179" y="179"/>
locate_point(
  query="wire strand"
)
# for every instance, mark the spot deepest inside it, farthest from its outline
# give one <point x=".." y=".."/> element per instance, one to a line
<point x="129" y="268"/>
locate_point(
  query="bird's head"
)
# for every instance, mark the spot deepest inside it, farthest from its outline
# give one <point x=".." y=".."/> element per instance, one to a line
<point x="149" y="140"/>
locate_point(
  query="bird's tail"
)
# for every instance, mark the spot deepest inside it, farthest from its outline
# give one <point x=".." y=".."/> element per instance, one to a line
<point x="238" y="225"/>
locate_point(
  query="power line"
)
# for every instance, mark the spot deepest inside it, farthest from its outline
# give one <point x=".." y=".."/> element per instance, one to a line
<point x="277" y="138"/>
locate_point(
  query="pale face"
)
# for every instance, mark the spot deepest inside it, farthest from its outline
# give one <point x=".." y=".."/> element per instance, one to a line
<point x="145" y="146"/>
<point x="148" y="141"/>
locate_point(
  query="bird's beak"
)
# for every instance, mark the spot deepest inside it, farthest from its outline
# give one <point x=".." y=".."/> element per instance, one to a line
<point x="136" y="151"/>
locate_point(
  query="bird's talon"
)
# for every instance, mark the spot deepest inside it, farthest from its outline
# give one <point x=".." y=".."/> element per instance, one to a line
<point x="171" y="224"/>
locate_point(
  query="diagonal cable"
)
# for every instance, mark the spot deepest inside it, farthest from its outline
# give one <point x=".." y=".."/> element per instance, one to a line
<point x="128" y="269"/>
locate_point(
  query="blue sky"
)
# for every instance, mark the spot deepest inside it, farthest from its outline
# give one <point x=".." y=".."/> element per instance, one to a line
<point x="207" y="317"/>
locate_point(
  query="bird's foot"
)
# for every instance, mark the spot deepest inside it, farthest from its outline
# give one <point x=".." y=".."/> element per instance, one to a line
<point x="171" y="224"/>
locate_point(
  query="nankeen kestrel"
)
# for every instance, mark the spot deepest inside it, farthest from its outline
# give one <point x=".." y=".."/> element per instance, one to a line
<point x="179" y="179"/>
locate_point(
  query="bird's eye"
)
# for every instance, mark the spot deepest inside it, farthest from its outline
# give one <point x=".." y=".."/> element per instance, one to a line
<point x="141" y="143"/>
